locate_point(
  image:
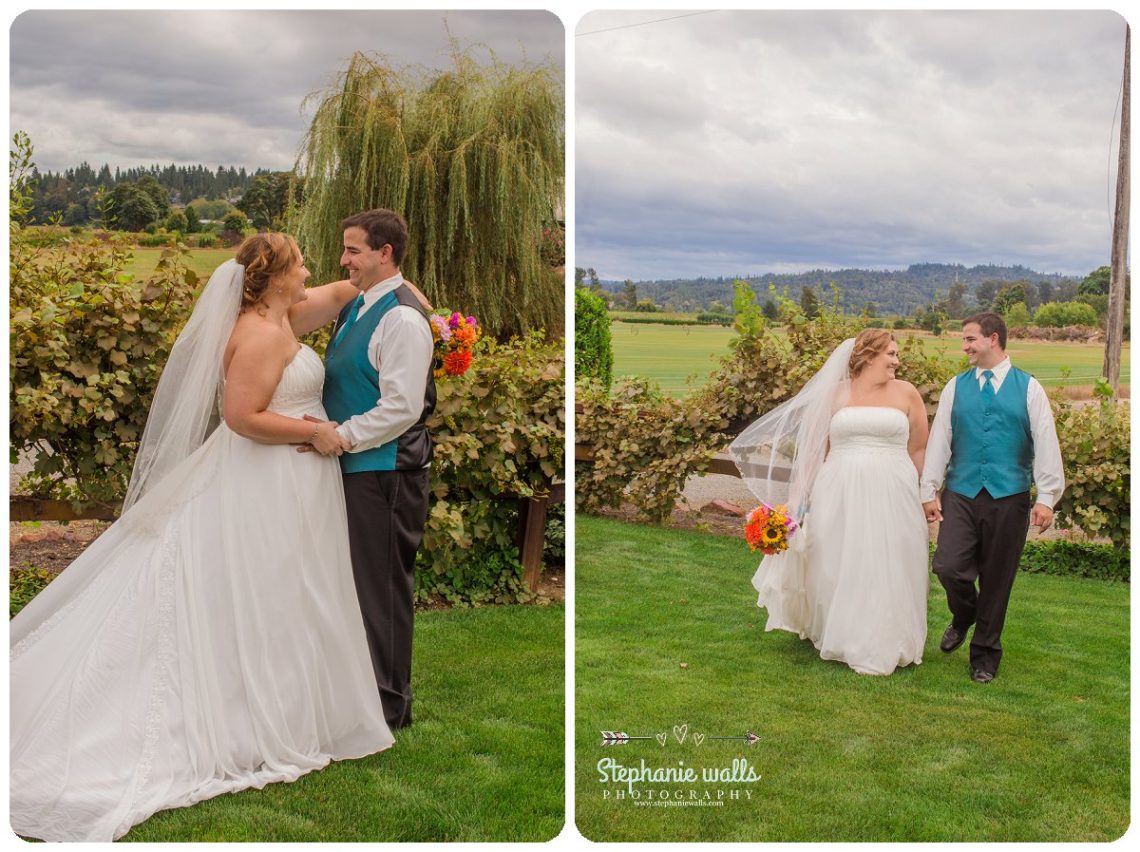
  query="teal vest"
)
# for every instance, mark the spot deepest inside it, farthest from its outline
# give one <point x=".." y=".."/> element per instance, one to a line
<point x="991" y="445"/>
<point x="352" y="386"/>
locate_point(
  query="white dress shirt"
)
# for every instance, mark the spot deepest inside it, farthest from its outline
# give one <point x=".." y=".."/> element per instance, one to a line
<point x="1048" y="470"/>
<point x="402" y="350"/>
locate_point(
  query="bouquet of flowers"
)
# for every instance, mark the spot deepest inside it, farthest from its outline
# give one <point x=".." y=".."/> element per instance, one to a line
<point x="455" y="337"/>
<point x="768" y="529"/>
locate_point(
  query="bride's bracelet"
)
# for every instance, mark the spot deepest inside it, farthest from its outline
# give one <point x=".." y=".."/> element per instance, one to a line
<point x="313" y="437"/>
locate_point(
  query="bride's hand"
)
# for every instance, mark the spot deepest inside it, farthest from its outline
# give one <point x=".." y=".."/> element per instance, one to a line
<point x="326" y="440"/>
<point x="422" y="298"/>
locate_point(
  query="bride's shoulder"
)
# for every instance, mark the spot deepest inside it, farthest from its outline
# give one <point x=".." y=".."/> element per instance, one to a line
<point x="254" y="334"/>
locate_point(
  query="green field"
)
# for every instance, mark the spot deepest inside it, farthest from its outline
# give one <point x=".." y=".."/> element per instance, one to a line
<point x="1044" y="359"/>
<point x="202" y="261"/>
<point x="668" y="634"/>
<point x="671" y="354"/>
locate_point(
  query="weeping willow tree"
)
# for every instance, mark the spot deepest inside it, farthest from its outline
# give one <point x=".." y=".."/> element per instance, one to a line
<point x="473" y="157"/>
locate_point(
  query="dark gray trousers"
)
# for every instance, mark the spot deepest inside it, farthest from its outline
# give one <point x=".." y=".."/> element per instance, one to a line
<point x="387" y="511"/>
<point x="981" y="540"/>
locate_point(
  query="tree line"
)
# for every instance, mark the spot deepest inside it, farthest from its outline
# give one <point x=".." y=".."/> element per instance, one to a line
<point x="895" y="292"/>
<point x="74" y="195"/>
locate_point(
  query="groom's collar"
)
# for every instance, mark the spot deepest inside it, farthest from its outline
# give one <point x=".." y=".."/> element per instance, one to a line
<point x="1000" y="369"/>
<point x="381" y="289"/>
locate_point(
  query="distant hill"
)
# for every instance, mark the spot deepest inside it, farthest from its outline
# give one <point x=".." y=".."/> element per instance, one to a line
<point x="897" y="292"/>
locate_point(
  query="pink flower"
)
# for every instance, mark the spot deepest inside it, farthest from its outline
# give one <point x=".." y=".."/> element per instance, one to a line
<point x="442" y="327"/>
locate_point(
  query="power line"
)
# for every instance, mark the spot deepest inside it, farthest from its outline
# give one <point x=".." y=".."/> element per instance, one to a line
<point x="646" y="23"/>
<point x="1108" y="206"/>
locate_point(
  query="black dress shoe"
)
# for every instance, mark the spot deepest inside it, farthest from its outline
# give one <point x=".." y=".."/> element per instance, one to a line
<point x="979" y="676"/>
<point x="952" y="638"/>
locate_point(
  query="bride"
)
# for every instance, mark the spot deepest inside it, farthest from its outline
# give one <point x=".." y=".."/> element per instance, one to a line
<point x="210" y="640"/>
<point x="845" y="455"/>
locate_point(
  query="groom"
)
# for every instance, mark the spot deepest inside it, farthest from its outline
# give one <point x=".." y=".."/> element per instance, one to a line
<point x="992" y="436"/>
<point x="379" y="387"/>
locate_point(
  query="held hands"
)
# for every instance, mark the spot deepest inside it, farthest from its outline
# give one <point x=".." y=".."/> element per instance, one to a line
<point x="327" y="441"/>
<point x="1041" y="517"/>
<point x="933" y="510"/>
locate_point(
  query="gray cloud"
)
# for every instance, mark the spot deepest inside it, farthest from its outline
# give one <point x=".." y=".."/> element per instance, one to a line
<point x="139" y="87"/>
<point x="737" y="142"/>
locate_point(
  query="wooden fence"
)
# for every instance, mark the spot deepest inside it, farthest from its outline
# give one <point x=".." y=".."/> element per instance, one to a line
<point x="531" y="534"/>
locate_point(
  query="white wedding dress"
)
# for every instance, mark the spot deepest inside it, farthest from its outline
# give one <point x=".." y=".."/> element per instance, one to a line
<point x="208" y="642"/>
<point x="855" y="579"/>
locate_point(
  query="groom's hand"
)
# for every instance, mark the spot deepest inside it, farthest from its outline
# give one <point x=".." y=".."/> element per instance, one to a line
<point x="933" y="510"/>
<point x="1041" y="517"/>
<point x="342" y="445"/>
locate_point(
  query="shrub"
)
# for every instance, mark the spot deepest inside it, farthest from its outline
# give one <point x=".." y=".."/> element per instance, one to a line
<point x="24" y="583"/>
<point x="1061" y="314"/>
<point x="646" y="446"/>
<point x="500" y="433"/>
<point x="1095" y="450"/>
<point x="554" y="550"/>
<point x="657" y="320"/>
<point x="1017" y="315"/>
<point x="235" y="221"/>
<point x="158" y="238"/>
<point x="87" y="346"/>
<point x="1097" y="302"/>
<point x="205" y="239"/>
<point x="710" y="318"/>
<point x="1076" y="559"/>
<point x="1070" y="559"/>
<point x="593" y="348"/>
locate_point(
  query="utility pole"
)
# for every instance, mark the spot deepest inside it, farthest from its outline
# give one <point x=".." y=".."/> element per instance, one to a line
<point x="1118" y="286"/>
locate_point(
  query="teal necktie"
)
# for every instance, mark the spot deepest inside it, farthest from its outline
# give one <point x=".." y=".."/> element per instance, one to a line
<point x="988" y="388"/>
<point x="352" y="315"/>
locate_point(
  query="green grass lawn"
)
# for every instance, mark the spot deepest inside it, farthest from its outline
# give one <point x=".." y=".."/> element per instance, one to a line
<point x="671" y="354"/>
<point x="668" y="633"/>
<point x="483" y="761"/>
<point x="1043" y="359"/>
<point x="202" y="261"/>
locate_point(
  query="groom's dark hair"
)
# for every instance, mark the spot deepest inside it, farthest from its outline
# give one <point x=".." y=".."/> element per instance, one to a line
<point x="989" y="323"/>
<point x="383" y="227"/>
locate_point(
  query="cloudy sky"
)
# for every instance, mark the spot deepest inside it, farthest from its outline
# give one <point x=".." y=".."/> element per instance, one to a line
<point x="726" y="143"/>
<point x="219" y="88"/>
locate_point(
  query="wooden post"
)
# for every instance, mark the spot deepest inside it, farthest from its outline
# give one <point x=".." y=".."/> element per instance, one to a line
<point x="532" y="532"/>
<point x="532" y="520"/>
<point x="21" y="508"/>
<point x="1118" y="287"/>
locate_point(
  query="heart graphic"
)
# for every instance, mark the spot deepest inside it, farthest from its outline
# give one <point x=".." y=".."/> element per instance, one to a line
<point x="698" y="738"/>
<point x="661" y="738"/>
<point x="680" y="732"/>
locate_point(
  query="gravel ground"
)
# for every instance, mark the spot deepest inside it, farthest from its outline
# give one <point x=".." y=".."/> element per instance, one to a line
<point x="700" y="490"/>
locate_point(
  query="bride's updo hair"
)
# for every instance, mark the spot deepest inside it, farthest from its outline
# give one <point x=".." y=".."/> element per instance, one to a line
<point x="264" y="256"/>
<point x="869" y="343"/>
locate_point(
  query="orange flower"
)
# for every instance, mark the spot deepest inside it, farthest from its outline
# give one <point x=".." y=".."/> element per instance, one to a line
<point x="457" y="363"/>
<point x="465" y="335"/>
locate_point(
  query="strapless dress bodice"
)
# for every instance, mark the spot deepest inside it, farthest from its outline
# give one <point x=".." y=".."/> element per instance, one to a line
<point x="869" y="427"/>
<point x="299" y="391"/>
